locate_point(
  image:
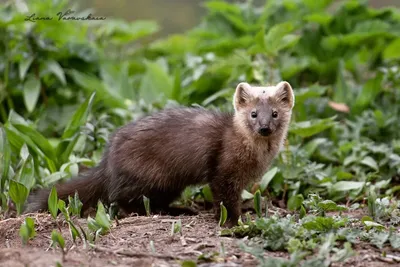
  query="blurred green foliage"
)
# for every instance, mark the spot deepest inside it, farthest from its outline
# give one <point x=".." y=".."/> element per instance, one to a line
<point x="66" y="85"/>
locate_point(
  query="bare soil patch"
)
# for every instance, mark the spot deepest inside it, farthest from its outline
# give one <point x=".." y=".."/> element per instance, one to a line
<point x="129" y="244"/>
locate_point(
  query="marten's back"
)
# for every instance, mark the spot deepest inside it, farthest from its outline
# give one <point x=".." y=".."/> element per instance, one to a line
<point x="172" y="148"/>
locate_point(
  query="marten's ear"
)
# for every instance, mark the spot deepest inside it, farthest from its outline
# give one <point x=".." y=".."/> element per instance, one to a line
<point x="284" y="94"/>
<point x="242" y="95"/>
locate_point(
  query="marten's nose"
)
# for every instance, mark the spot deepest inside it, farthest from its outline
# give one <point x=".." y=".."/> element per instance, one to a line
<point x="264" y="131"/>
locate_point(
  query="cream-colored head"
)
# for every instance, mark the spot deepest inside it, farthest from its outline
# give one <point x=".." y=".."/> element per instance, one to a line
<point x="263" y="111"/>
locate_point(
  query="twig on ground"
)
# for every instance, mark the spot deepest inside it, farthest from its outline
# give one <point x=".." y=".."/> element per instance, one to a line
<point x="126" y="253"/>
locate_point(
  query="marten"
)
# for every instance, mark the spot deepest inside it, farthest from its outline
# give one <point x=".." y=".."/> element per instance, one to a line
<point x="161" y="154"/>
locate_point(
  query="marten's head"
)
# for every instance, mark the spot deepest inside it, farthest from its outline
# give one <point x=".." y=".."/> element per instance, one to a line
<point x="263" y="111"/>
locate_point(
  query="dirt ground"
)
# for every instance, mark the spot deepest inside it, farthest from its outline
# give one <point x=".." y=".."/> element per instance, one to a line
<point x="129" y="244"/>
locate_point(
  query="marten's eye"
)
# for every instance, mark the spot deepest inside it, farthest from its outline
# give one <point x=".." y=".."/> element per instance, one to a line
<point x="274" y="114"/>
<point x="254" y="114"/>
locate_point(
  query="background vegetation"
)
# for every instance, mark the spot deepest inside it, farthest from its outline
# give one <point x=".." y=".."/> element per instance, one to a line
<point x="66" y="85"/>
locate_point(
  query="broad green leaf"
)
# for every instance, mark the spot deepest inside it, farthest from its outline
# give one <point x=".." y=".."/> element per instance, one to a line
<point x="278" y="37"/>
<point x="223" y="214"/>
<point x="5" y="157"/>
<point x="26" y="173"/>
<point x="392" y="51"/>
<point x="73" y="231"/>
<point x="24" y="65"/>
<point x="295" y="202"/>
<point x="146" y="203"/>
<point x="188" y="263"/>
<point x="207" y="193"/>
<point x="312" y="127"/>
<point x="368" y="93"/>
<point x="317" y="5"/>
<point x="57" y="239"/>
<point x="18" y="193"/>
<point x="320" y="224"/>
<point x="394" y="240"/>
<point x="102" y="218"/>
<point x="53" y="202"/>
<point x="329" y="205"/>
<point x="54" y="67"/>
<point x="302" y="212"/>
<point x="266" y="179"/>
<point x="370" y="162"/>
<point x="246" y="195"/>
<point x="371" y="224"/>
<point x="31" y="92"/>
<point x="75" y="204"/>
<point x="347" y="186"/>
<point x="63" y="208"/>
<point x="92" y="84"/>
<point x="27" y="230"/>
<point x="65" y="147"/>
<point x="341" y="88"/>
<point x="257" y="203"/>
<point x="41" y="142"/>
<point x="79" y="117"/>
<point x="156" y="83"/>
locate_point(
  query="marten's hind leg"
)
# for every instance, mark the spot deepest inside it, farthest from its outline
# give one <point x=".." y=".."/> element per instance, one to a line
<point x="160" y="202"/>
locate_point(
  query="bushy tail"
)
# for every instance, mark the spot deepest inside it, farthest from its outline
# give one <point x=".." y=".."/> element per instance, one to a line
<point x="90" y="187"/>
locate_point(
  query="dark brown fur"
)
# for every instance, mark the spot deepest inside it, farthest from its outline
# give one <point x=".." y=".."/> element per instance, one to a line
<point x="159" y="155"/>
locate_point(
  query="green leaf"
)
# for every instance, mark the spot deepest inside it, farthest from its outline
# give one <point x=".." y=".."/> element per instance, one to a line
<point x="370" y="162"/>
<point x="79" y="117"/>
<point x="63" y="208"/>
<point x="25" y="174"/>
<point x="75" y="204"/>
<point x="5" y="157"/>
<point x="18" y="193"/>
<point x="302" y="212"/>
<point x="329" y="205"/>
<point x="92" y="84"/>
<point x="341" y="88"/>
<point x="257" y="203"/>
<point x="295" y="202"/>
<point x="347" y="186"/>
<point x="266" y="179"/>
<point x="73" y="231"/>
<point x="188" y="263"/>
<point x="24" y="66"/>
<point x="395" y="240"/>
<point x="31" y="92"/>
<point x="371" y="224"/>
<point x="392" y="51"/>
<point x="41" y="142"/>
<point x="146" y="203"/>
<point x="368" y="93"/>
<point x="223" y="214"/>
<point x="53" y="66"/>
<point x="27" y="230"/>
<point x="102" y="218"/>
<point x="156" y="82"/>
<point x="53" y="202"/>
<point x="278" y="38"/>
<point x="207" y="193"/>
<point x="57" y="239"/>
<point x="246" y="195"/>
<point x="309" y="128"/>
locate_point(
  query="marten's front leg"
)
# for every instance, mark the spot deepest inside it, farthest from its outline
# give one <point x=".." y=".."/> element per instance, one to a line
<point x="230" y="195"/>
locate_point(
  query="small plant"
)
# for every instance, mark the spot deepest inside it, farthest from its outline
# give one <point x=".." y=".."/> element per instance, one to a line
<point x="27" y="230"/>
<point x="101" y="224"/>
<point x="223" y="214"/>
<point x="53" y="202"/>
<point x="58" y="239"/>
<point x="146" y="202"/>
<point x="176" y="227"/>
